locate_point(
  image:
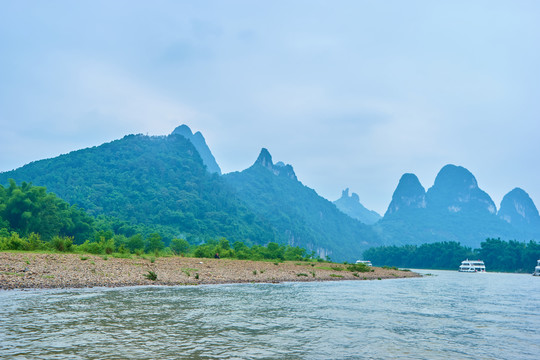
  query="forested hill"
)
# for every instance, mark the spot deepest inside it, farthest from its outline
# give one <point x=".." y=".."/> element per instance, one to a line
<point x="300" y="216"/>
<point x="157" y="181"/>
<point x="455" y="209"/>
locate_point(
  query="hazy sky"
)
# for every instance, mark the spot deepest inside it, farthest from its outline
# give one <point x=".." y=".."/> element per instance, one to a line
<point x="351" y="93"/>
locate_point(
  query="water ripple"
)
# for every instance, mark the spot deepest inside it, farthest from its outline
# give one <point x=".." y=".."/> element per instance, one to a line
<point x="451" y="315"/>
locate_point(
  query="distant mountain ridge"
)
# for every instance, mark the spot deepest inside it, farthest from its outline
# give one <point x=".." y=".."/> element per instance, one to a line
<point x="298" y="214"/>
<point x="164" y="181"/>
<point x="455" y="209"/>
<point x="351" y="206"/>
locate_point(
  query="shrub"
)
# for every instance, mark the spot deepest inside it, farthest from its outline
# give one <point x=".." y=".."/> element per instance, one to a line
<point x="151" y="276"/>
<point x="63" y="244"/>
<point x="359" y="268"/>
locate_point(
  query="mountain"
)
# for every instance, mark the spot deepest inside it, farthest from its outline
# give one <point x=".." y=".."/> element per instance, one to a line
<point x="158" y="181"/>
<point x="351" y="206"/>
<point x="456" y="190"/>
<point x="453" y="209"/>
<point x="298" y="214"/>
<point x="199" y="142"/>
<point x="518" y="210"/>
<point x="409" y="194"/>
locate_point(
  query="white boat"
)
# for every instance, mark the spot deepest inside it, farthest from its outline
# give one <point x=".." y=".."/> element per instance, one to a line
<point x="537" y="269"/>
<point x="472" y="266"/>
<point x="365" y="262"/>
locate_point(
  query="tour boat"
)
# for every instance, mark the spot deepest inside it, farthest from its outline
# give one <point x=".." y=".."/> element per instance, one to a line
<point x="472" y="266"/>
<point x="537" y="269"/>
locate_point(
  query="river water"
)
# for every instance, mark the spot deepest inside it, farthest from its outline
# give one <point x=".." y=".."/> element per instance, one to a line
<point x="448" y="315"/>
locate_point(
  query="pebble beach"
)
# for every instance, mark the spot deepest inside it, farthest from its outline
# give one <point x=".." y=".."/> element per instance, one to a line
<point x="41" y="270"/>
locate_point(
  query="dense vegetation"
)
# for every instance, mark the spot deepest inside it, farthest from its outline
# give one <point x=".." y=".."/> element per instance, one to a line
<point x="32" y="219"/>
<point x="497" y="254"/>
<point x="30" y="209"/>
<point x="158" y="182"/>
<point x="299" y="215"/>
<point x="121" y="246"/>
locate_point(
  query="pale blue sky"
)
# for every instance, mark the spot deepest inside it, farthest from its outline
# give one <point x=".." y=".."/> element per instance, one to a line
<point x="351" y="93"/>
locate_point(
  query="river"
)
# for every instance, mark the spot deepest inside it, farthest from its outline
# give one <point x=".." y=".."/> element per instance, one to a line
<point x="447" y="315"/>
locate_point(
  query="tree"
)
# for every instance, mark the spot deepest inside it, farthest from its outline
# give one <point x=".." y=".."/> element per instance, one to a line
<point x="179" y="246"/>
<point x="154" y="243"/>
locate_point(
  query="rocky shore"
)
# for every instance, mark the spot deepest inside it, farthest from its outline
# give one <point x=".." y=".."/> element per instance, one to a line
<point x="35" y="270"/>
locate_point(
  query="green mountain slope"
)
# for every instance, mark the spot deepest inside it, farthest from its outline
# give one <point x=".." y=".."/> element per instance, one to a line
<point x="300" y="216"/>
<point x="156" y="181"/>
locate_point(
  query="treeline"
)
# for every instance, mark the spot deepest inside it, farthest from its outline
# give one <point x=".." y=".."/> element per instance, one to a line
<point x="497" y="254"/>
<point x="153" y="244"/>
<point x="32" y="219"/>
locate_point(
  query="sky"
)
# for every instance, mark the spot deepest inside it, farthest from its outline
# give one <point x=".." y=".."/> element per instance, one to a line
<point x="353" y="94"/>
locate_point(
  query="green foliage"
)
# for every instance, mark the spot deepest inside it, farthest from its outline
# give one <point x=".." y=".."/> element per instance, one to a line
<point x="151" y="275"/>
<point x="359" y="268"/>
<point x="62" y="244"/>
<point x="497" y="254"/>
<point x="241" y="251"/>
<point x="28" y="209"/>
<point x="514" y="256"/>
<point x="298" y="212"/>
<point x="154" y="243"/>
<point x="158" y="183"/>
<point x="179" y="246"/>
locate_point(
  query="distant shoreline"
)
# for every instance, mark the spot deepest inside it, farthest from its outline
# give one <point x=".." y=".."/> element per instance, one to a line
<point x="56" y="270"/>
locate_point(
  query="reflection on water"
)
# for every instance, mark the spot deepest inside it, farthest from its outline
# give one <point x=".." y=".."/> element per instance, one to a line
<point x="450" y="315"/>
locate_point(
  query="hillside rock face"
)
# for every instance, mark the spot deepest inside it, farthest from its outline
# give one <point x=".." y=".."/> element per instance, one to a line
<point x="518" y="209"/>
<point x="409" y="194"/>
<point x="351" y="206"/>
<point x="279" y="169"/>
<point x="456" y="190"/>
<point x="199" y="142"/>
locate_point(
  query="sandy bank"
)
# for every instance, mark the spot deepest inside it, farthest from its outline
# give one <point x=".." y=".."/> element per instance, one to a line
<point x="30" y="270"/>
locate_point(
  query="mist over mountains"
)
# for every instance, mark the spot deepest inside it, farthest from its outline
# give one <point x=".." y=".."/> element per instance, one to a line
<point x="174" y="183"/>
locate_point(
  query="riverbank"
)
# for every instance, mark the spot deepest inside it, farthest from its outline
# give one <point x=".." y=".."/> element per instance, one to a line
<point x="35" y="270"/>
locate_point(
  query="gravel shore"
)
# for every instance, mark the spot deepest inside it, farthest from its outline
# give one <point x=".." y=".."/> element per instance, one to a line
<point x="33" y="270"/>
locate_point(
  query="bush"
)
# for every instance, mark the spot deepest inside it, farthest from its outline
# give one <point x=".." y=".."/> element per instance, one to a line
<point x="151" y="276"/>
<point x="359" y="268"/>
<point x="63" y="244"/>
